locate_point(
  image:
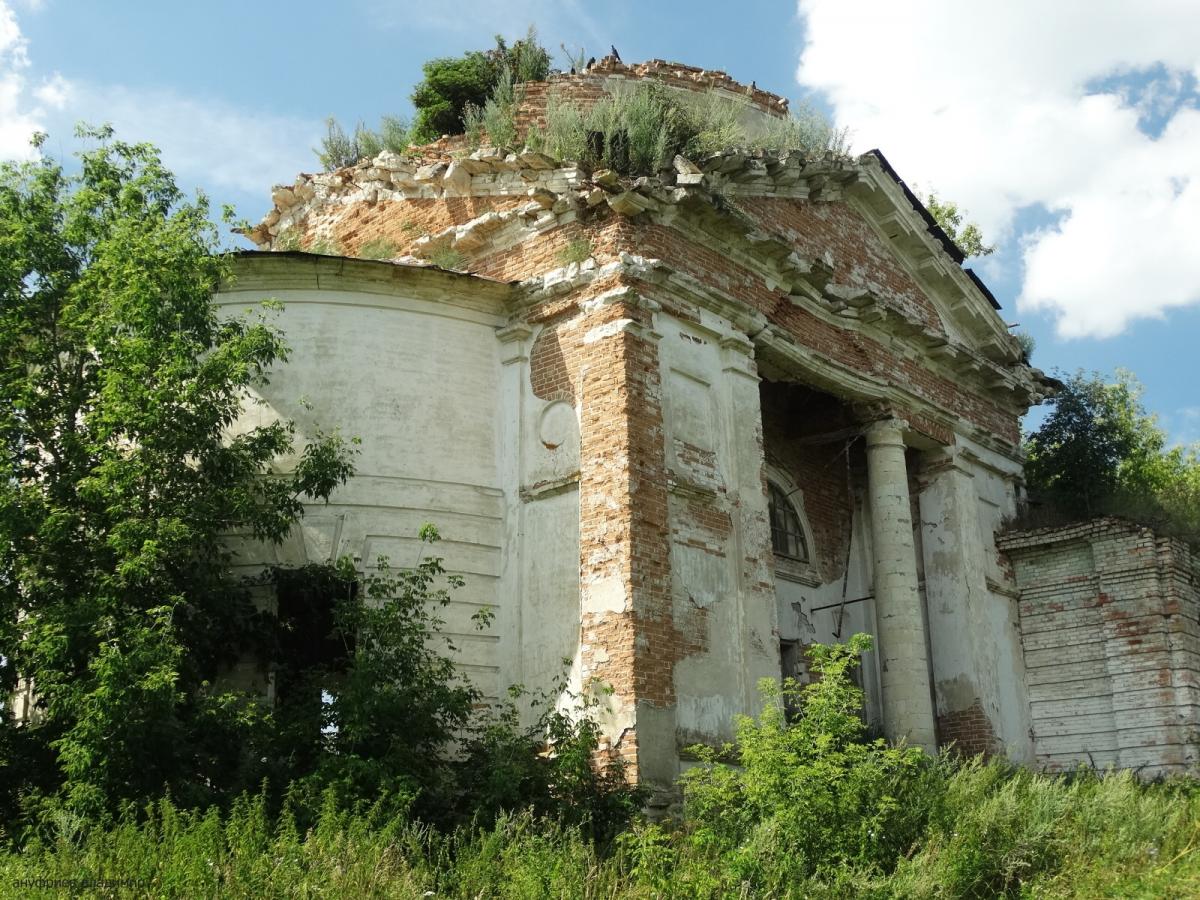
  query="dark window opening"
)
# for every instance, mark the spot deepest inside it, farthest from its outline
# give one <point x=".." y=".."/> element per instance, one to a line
<point x="787" y="535"/>
<point x="792" y="666"/>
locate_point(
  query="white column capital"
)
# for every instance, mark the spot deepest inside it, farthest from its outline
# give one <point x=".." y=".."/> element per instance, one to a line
<point x="885" y="432"/>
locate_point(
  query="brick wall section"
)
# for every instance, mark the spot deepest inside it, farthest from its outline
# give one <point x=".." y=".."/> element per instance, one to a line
<point x="1110" y="625"/>
<point x="969" y="730"/>
<point x="554" y="361"/>
<point x="859" y="256"/>
<point x="540" y="253"/>
<point x="403" y="221"/>
<point x="623" y="509"/>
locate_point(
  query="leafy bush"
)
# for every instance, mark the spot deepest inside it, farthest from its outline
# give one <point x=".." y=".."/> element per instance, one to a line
<point x="949" y="217"/>
<point x="809" y="795"/>
<point x="497" y="117"/>
<point x="120" y="480"/>
<point x="1099" y="452"/>
<point x="378" y="717"/>
<point x="549" y="768"/>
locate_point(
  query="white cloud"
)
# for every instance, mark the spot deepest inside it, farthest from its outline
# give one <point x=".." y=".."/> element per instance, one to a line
<point x="203" y="140"/>
<point x="991" y="105"/>
<point x="54" y="92"/>
<point x="18" y="119"/>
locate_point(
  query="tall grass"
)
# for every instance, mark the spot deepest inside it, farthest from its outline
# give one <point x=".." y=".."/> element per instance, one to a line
<point x="997" y="832"/>
<point x="813" y="809"/>
<point x="637" y="131"/>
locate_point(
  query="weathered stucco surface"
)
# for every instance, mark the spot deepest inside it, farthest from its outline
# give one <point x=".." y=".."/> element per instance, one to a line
<point x="1110" y="616"/>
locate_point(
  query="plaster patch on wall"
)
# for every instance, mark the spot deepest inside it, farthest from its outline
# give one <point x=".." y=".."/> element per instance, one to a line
<point x="608" y="329"/>
<point x="605" y="595"/>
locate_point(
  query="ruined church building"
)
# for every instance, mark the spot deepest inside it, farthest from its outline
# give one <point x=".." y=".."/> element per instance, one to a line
<point x="675" y="429"/>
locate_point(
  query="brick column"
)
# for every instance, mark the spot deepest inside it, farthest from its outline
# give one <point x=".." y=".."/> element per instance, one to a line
<point x="627" y="631"/>
<point x="903" y="660"/>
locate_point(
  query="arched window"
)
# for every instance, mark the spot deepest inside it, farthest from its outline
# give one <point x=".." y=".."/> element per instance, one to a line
<point x="787" y="534"/>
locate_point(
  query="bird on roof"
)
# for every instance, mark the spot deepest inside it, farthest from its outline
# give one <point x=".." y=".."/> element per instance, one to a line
<point x="616" y="55"/>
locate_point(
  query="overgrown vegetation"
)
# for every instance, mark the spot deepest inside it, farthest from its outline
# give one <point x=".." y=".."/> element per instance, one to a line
<point x="339" y="149"/>
<point x="289" y="240"/>
<point x="949" y="217"/>
<point x="326" y="246"/>
<point x="118" y="384"/>
<point x="453" y="85"/>
<point x="121" y="619"/>
<point x="456" y="95"/>
<point x="811" y="810"/>
<point x="636" y="131"/>
<point x="1099" y="452"/>
<point x="575" y="252"/>
<point x="1027" y="343"/>
<point x="447" y="258"/>
<point x="639" y="131"/>
<point x="378" y="248"/>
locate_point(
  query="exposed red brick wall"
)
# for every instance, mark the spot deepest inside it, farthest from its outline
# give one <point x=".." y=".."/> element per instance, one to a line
<point x="844" y="345"/>
<point x="969" y="730"/>
<point x="859" y="256"/>
<point x="540" y="253"/>
<point x="404" y="221"/>
<point x="556" y="358"/>
<point x="623" y="502"/>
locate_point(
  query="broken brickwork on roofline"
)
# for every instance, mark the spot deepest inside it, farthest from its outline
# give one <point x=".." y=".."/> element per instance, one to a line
<point x="808" y="244"/>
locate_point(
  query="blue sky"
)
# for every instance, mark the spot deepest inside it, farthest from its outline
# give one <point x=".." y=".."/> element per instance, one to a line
<point x="1071" y="132"/>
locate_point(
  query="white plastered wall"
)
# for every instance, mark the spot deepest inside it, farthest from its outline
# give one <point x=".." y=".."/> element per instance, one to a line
<point x="722" y="597"/>
<point x="417" y="380"/>
<point x="966" y="493"/>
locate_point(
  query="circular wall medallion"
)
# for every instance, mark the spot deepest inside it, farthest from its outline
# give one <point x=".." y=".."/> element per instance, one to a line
<point x="557" y="424"/>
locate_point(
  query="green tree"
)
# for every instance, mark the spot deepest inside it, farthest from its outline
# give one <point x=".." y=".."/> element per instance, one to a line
<point x="949" y="217"/>
<point x="454" y="84"/>
<point x="122" y="480"/>
<point x="1099" y="451"/>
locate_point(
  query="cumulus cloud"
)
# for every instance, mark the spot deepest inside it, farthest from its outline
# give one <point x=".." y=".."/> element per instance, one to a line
<point x="203" y="140"/>
<point x="1028" y="104"/>
<point x="21" y="111"/>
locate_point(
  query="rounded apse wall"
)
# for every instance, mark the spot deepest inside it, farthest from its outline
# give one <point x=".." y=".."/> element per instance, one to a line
<point x="406" y="360"/>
